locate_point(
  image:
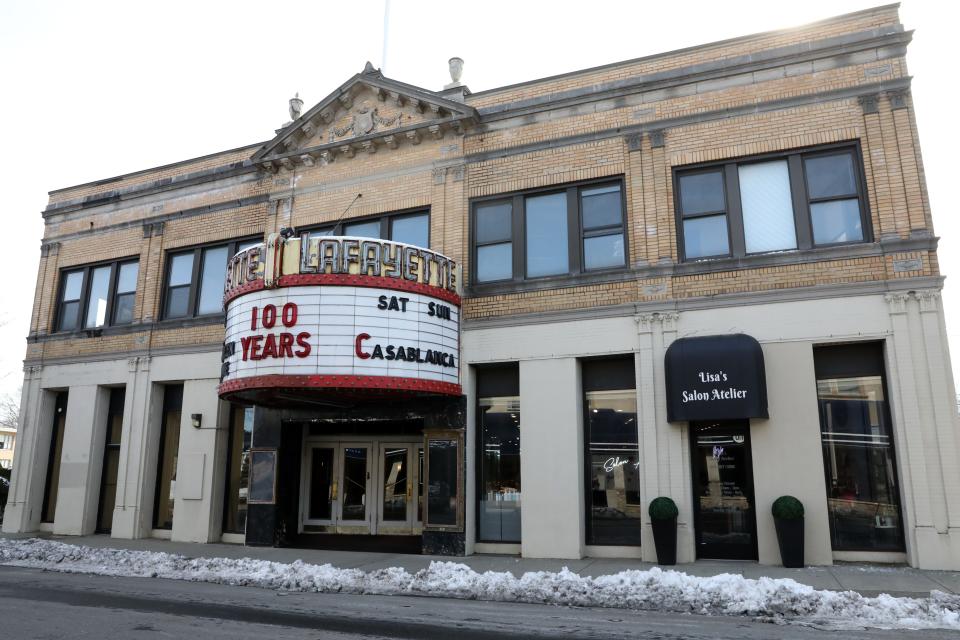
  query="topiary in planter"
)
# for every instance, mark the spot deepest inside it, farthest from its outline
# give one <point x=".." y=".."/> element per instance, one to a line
<point x="787" y="508"/>
<point x="663" y="509"/>
<point x="663" y="518"/>
<point x="788" y="519"/>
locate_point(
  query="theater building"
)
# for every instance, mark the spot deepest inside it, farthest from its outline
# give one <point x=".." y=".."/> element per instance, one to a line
<point x="449" y="322"/>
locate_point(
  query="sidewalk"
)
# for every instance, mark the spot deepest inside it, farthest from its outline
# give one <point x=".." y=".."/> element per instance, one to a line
<point x="868" y="580"/>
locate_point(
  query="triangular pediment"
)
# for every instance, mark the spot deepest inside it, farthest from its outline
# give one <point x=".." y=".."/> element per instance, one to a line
<point x="366" y="113"/>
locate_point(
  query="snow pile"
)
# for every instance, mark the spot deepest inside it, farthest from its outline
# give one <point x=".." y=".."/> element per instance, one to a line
<point x="655" y="589"/>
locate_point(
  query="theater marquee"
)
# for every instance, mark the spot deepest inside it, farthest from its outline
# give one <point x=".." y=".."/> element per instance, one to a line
<point x="347" y="314"/>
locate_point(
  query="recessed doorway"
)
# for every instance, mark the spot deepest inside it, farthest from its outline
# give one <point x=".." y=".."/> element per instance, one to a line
<point x="723" y="499"/>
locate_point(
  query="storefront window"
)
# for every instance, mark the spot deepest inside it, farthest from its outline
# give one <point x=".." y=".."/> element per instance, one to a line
<point x="167" y="459"/>
<point x="111" y="460"/>
<point x="863" y="496"/>
<point x="443" y="481"/>
<point x="499" y="424"/>
<point x="238" y="470"/>
<point x="612" y="454"/>
<point x="53" y="464"/>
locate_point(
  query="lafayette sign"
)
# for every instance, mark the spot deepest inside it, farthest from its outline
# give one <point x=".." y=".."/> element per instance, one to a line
<point x="341" y="313"/>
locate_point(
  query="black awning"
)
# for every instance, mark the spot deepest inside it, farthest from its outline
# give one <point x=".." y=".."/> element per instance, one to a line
<point x="715" y="378"/>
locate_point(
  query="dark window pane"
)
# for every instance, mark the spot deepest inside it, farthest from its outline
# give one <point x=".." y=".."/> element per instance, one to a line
<point x="499" y="469"/>
<point x="601" y="207"/>
<point x="321" y="484"/>
<point x="97" y="300"/>
<point x="862" y="494"/>
<point x="395" y="478"/>
<point x="127" y="277"/>
<point x="73" y="285"/>
<point x="547" y="249"/>
<point x="601" y="252"/>
<point x="238" y="469"/>
<point x="614" y="508"/>
<point x="702" y="192"/>
<point x="212" y="281"/>
<point x="71" y="316"/>
<point x="354" y="505"/>
<point x="413" y="230"/>
<point x="829" y="176"/>
<point x="836" y="221"/>
<point x="178" y="302"/>
<point x="442" y="483"/>
<point x="167" y="461"/>
<point x="123" y="308"/>
<point x="50" y="491"/>
<point x="321" y="233"/>
<point x="707" y="236"/>
<point x="363" y="229"/>
<point x="181" y="269"/>
<point x="493" y="222"/>
<point x="495" y="262"/>
<point x="263" y="472"/>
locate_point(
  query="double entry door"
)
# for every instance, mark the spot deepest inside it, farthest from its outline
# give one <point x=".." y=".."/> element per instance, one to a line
<point x="369" y="486"/>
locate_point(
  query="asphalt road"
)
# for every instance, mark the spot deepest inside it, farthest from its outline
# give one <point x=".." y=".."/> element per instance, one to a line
<point x="46" y="605"/>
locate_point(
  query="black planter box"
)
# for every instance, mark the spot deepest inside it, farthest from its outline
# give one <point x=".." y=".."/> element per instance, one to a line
<point x="790" y="539"/>
<point x="665" y="540"/>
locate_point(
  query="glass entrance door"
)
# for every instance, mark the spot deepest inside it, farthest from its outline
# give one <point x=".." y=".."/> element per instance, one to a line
<point x="365" y="487"/>
<point x="724" y="509"/>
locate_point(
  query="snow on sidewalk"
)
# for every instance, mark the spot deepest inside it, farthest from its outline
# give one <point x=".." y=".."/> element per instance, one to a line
<point x="781" y="599"/>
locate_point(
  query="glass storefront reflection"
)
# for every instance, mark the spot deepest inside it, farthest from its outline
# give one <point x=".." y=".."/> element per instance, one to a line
<point x="614" y="508"/>
<point x="858" y="458"/>
<point x="499" y="423"/>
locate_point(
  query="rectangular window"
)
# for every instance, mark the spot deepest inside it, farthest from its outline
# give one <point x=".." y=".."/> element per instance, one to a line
<point x="408" y="228"/>
<point x="111" y="460"/>
<point x="238" y="469"/>
<point x="96" y="296"/>
<point x="498" y="466"/>
<point x="785" y="201"/>
<point x="612" y="452"/>
<point x="195" y="279"/>
<point x="863" y="494"/>
<point x="49" y="507"/>
<point x="443" y="481"/>
<point x="550" y="232"/>
<point x="167" y="457"/>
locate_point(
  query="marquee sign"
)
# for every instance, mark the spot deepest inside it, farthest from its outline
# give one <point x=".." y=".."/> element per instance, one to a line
<point x="715" y="378"/>
<point x="341" y="314"/>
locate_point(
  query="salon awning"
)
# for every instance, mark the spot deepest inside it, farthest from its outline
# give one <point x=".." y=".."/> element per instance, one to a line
<point x="715" y="378"/>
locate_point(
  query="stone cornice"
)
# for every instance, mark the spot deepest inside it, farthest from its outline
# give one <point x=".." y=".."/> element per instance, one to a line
<point x="834" y="47"/>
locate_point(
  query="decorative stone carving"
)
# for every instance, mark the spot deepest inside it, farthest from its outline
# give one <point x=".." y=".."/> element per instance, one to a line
<point x="458" y="172"/>
<point x="456" y="72"/>
<point x="897" y="302"/>
<point x="929" y="300"/>
<point x="436" y="131"/>
<point x="52" y="249"/>
<point x="898" y="99"/>
<point x="132" y="364"/>
<point x="390" y="141"/>
<point x="346" y="151"/>
<point x="634" y="141"/>
<point x="657" y="138"/>
<point x="152" y="229"/>
<point x="869" y="104"/>
<point x="664" y="320"/>
<point x="296" y="105"/>
<point x="413" y="137"/>
<point x="328" y="156"/>
<point x="439" y="175"/>
<point x="365" y="120"/>
<point x="307" y="159"/>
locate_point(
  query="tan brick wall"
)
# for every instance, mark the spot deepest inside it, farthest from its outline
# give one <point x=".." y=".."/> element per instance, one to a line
<point x="432" y="175"/>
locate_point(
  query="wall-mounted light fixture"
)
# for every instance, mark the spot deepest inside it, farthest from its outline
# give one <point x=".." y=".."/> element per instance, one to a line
<point x="195" y="419"/>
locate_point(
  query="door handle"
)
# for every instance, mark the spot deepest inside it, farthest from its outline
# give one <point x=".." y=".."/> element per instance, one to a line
<point x="409" y="491"/>
<point x="333" y="491"/>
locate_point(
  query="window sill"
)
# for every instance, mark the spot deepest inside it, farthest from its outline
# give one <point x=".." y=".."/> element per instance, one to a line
<point x="502" y="287"/>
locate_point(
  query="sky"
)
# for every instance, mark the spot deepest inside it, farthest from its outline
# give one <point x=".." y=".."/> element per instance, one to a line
<point x="90" y="90"/>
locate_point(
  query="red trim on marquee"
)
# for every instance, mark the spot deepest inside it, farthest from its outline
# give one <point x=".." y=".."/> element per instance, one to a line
<point x="381" y="383"/>
<point x="347" y="280"/>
